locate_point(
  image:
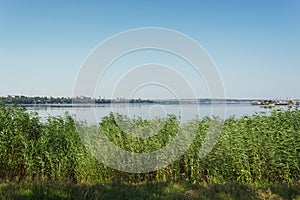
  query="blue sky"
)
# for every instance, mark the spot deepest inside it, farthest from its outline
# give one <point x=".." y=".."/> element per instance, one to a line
<point x="255" y="44"/>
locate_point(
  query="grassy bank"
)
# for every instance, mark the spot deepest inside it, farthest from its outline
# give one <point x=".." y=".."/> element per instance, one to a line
<point x="186" y="190"/>
<point x="252" y="150"/>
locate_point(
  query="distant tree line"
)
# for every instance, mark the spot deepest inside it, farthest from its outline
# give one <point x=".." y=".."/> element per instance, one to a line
<point x="15" y="99"/>
<point x="18" y="99"/>
<point x="12" y="99"/>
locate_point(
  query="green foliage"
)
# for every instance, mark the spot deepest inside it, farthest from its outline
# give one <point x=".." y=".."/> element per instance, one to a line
<point x="259" y="148"/>
<point x="31" y="149"/>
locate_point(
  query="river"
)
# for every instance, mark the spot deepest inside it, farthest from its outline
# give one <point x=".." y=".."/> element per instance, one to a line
<point x="94" y="113"/>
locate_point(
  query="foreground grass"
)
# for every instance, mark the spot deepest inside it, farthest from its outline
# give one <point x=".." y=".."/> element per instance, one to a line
<point x="258" y="148"/>
<point x="187" y="190"/>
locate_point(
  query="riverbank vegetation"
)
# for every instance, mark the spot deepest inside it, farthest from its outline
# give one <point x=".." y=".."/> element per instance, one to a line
<point x="48" y="101"/>
<point x="252" y="151"/>
<point x="85" y="101"/>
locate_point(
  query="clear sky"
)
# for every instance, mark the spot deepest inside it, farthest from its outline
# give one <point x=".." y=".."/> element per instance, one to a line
<point x="254" y="43"/>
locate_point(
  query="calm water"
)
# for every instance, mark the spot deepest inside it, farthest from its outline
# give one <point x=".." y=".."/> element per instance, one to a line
<point x="93" y="114"/>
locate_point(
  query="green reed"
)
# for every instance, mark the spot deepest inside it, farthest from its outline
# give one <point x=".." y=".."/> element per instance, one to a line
<point x="257" y="148"/>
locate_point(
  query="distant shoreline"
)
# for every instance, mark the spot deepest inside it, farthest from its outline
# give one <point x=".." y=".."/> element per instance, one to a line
<point x="115" y="103"/>
<point x="92" y="102"/>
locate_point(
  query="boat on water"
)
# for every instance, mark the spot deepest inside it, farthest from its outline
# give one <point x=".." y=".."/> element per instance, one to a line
<point x="283" y="103"/>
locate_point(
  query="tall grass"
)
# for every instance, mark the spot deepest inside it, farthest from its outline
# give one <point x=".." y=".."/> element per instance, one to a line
<point x="257" y="148"/>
